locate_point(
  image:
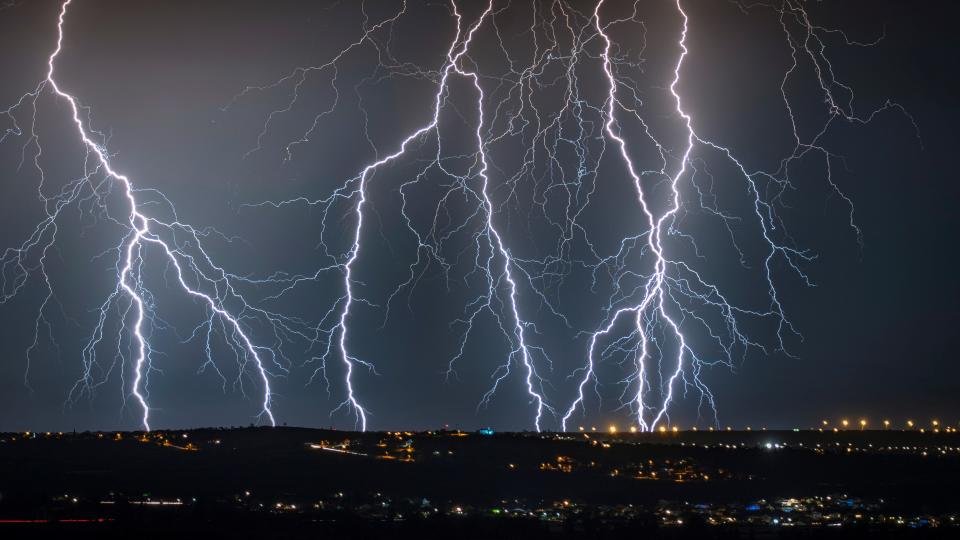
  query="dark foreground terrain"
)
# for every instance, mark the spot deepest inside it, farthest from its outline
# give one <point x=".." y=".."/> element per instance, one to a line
<point x="305" y="483"/>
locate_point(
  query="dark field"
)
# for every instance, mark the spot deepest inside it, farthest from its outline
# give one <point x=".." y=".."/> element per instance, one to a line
<point x="293" y="483"/>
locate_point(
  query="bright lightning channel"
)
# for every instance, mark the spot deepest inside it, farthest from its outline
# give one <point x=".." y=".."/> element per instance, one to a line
<point x="667" y="305"/>
<point x="171" y="238"/>
<point x="674" y="299"/>
<point x="658" y="299"/>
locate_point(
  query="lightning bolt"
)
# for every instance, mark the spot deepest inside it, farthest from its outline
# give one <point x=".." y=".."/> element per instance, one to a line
<point x="658" y="306"/>
<point x="492" y="256"/>
<point x="670" y="301"/>
<point x="178" y="244"/>
<point x="538" y="133"/>
<point x="653" y="302"/>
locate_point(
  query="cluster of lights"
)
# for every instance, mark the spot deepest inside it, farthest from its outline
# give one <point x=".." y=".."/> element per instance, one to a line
<point x="864" y="423"/>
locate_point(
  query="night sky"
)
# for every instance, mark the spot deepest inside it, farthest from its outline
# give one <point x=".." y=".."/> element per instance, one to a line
<point x="164" y="81"/>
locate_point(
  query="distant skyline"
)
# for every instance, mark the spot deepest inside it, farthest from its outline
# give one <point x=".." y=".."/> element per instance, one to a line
<point x="314" y="244"/>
